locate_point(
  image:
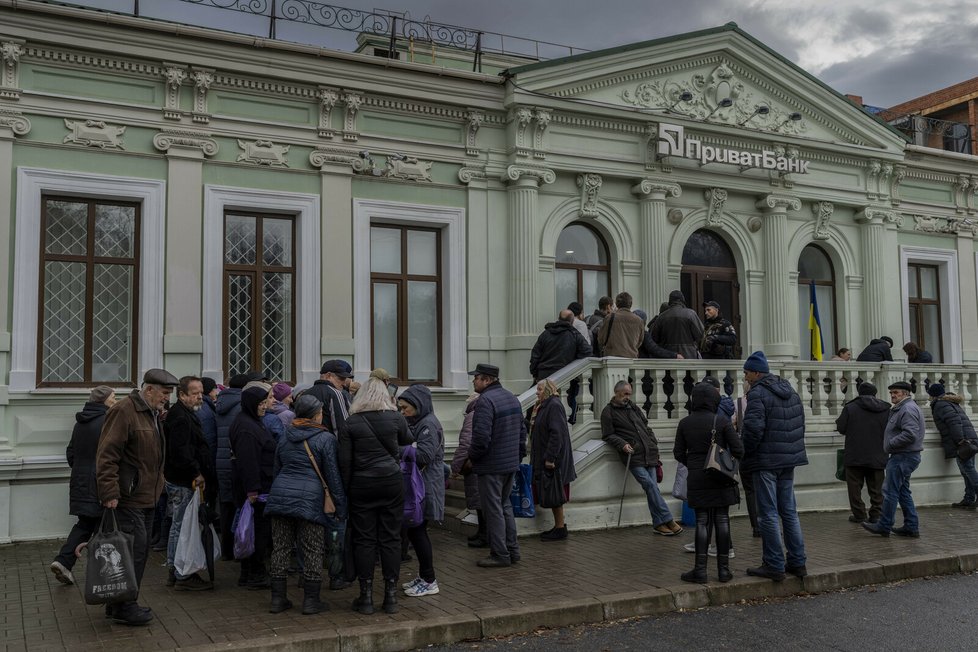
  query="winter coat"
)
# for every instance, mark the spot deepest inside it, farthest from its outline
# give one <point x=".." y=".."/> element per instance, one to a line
<point x="625" y="423"/>
<point x="370" y="445"/>
<point x="596" y="317"/>
<point x="557" y="346"/>
<point x="129" y="461"/>
<point x="774" y="426"/>
<point x="922" y="357"/>
<point x="952" y="422"/>
<point x="187" y="454"/>
<point x="284" y="414"/>
<point x="253" y="465"/>
<point x="82" y="487"/>
<point x="581" y="327"/>
<point x="297" y="491"/>
<point x="498" y="432"/>
<point x="462" y="453"/>
<point x="904" y="429"/>
<point x="621" y="334"/>
<point x="862" y="422"/>
<point x="719" y="339"/>
<point x="273" y="425"/>
<point x="336" y="404"/>
<point x="693" y="440"/>
<point x="877" y="351"/>
<point x="429" y="438"/>
<point x="550" y="441"/>
<point x="679" y="329"/>
<point x="650" y="349"/>
<point x="227" y="408"/>
<point x="208" y="425"/>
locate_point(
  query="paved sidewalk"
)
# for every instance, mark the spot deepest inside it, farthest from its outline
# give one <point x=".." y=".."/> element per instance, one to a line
<point x="593" y="576"/>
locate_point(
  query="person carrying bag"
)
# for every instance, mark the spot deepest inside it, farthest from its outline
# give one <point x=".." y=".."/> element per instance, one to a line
<point x="111" y="574"/>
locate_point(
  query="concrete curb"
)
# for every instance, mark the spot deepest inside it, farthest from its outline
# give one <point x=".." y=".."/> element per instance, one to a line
<point x="388" y="636"/>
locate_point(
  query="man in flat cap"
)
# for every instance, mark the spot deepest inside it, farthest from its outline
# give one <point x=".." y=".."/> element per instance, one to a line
<point x="903" y="439"/>
<point x="129" y="472"/>
<point x="498" y="445"/>
<point x="330" y="389"/>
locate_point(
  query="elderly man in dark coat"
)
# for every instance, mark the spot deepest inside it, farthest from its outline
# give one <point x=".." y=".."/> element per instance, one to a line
<point x="862" y="422"/>
<point x="954" y="425"/>
<point x="679" y="328"/>
<point x="557" y="346"/>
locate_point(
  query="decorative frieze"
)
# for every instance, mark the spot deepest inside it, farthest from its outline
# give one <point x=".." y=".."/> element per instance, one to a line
<point x="95" y="133"/>
<point x="10" y="53"/>
<point x="15" y="121"/>
<point x="352" y="102"/>
<point x="263" y="152"/>
<point x="328" y="97"/>
<point x="716" y="197"/>
<point x="169" y="139"/>
<point x="589" y="184"/>
<point x="474" y="121"/>
<point x="939" y="224"/>
<point x="203" y="79"/>
<point x="823" y="213"/>
<point x="175" y="75"/>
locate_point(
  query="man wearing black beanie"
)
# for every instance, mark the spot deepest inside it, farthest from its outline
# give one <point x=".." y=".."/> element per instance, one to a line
<point x="862" y="423"/>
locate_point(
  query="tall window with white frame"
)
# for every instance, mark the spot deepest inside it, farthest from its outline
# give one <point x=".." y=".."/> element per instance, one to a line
<point x="405" y="298"/>
<point x="89" y="292"/>
<point x="924" y="306"/>
<point x="259" y="294"/>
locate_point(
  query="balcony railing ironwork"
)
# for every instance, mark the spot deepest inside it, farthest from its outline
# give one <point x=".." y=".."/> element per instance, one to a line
<point x="933" y="132"/>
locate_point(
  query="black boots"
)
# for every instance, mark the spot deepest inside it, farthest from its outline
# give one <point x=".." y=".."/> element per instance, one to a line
<point x="698" y="574"/>
<point x="280" y="598"/>
<point x="723" y="568"/>
<point x="365" y="603"/>
<point x="390" y="596"/>
<point x="310" y="602"/>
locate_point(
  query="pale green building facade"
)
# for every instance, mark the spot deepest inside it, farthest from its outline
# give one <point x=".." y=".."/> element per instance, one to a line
<point x="205" y="202"/>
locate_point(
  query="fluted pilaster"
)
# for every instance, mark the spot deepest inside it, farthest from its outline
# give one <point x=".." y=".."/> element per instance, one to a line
<point x="779" y="294"/>
<point x="874" y="254"/>
<point x="524" y="182"/>
<point x="654" y="248"/>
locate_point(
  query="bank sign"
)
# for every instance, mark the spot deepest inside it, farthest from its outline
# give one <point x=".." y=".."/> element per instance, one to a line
<point x="673" y="142"/>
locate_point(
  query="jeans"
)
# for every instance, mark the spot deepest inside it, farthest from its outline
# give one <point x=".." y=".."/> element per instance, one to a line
<point x="657" y="505"/>
<point x="775" y="491"/>
<point x="896" y="489"/>
<point x="494" y="490"/>
<point x="177" y="500"/>
<point x="970" y="476"/>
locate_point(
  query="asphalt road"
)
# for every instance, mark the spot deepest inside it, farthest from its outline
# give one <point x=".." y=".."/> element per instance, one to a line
<point x="925" y="614"/>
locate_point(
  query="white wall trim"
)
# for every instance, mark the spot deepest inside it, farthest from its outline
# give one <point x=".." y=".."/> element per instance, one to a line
<point x="947" y="262"/>
<point x="308" y="278"/>
<point x="454" y="322"/>
<point x="31" y="183"/>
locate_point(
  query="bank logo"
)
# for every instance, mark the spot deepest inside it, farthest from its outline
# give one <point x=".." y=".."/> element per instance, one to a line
<point x="673" y="142"/>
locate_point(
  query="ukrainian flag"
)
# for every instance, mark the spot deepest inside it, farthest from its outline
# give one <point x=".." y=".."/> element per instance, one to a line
<point x="815" y="325"/>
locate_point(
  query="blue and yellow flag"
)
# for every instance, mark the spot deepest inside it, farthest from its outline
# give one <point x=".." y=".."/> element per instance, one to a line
<point x="815" y="326"/>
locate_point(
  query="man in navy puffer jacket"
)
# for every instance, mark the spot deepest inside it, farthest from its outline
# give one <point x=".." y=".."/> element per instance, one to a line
<point x="774" y="444"/>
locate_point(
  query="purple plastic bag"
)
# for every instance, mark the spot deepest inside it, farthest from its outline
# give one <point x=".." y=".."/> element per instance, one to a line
<point x="413" y="489"/>
<point x="244" y="532"/>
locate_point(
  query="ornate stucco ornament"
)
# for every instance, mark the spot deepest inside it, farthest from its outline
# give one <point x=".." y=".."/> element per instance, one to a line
<point x="409" y="168"/>
<point x="174" y="76"/>
<point x="10" y="52"/>
<point x="202" y="79"/>
<point x="95" y="133"/>
<point x="352" y="102"/>
<point x="169" y="138"/>
<point x="263" y="152"/>
<point x="328" y="97"/>
<point x="474" y="120"/>
<point x="823" y="213"/>
<point x="15" y="121"/>
<point x="716" y="197"/>
<point x="541" y="175"/>
<point x="589" y="184"/>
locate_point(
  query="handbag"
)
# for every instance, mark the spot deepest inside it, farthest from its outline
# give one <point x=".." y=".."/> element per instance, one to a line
<point x="111" y="573"/>
<point x="720" y="462"/>
<point x="551" y="489"/>
<point x="328" y="506"/>
<point x="967" y="448"/>
<point x="679" y="484"/>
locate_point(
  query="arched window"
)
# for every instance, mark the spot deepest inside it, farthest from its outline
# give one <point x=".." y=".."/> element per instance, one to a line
<point x="814" y="266"/>
<point x="582" y="271"/>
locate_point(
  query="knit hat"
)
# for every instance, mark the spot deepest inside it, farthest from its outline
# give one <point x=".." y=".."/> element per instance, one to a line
<point x="866" y="389"/>
<point x="888" y="340"/>
<point x="306" y="406"/>
<point x="100" y="393"/>
<point x="281" y="390"/>
<point x="712" y="381"/>
<point x="757" y="362"/>
<point x="676" y="295"/>
<point x="936" y="390"/>
<point x="209" y="384"/>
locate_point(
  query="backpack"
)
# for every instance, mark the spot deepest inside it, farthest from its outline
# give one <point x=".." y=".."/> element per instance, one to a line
<point x="414" y="491"/>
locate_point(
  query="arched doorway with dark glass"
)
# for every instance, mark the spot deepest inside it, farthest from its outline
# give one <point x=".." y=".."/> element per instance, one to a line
<point x="582" y="271"/>
<point x="709" y="273"/>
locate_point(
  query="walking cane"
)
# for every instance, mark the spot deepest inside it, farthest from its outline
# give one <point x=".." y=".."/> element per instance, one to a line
<point x="621" y="502"/>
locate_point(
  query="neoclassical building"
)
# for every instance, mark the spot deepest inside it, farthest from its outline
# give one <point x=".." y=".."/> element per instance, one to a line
<point x="208" y="202"/>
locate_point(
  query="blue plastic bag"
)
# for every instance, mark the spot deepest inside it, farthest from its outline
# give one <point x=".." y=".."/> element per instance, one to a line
<point x="522" y="494"/>
<point x="244" y="532"/>
<point x="414" y="491"/>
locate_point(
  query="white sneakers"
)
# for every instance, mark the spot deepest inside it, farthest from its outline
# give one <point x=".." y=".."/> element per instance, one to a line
<point x="691" y="547"/>
<point x="62" y="574"/>
<point x="417" y="588"/>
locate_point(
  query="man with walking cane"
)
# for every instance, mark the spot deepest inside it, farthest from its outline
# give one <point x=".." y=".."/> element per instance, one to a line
<point x="624" y="426"/>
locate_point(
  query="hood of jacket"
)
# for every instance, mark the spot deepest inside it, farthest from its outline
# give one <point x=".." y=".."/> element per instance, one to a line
<point x="420" y="397"/>
<point x="704" y="398"/>
<point x="557" y="327"/>
<point x="251" y="399"/>
<point x="776" y="385"/>
<point x="227" y="400"/>
<point x="92" y="410"/>
<point x="296" y="434"/>
<point x="950" y="398"/>
<point x="871" y="403"/>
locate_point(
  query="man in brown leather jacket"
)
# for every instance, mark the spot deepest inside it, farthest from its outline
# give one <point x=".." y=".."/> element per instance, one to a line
<point x="129" y="471"/>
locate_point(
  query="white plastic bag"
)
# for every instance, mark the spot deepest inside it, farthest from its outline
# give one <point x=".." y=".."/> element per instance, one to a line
<point x="679" y="484"/>
<point x="190" y="557"/>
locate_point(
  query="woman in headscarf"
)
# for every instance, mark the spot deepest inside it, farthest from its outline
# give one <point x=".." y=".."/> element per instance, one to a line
<point x="550" y="451"/>
<point x="305" y="457"/>
<point x="461" y="465"/>
<point x="370" y="442"/>
<point x="252" y="467"/>
<point x="415" y="404"/>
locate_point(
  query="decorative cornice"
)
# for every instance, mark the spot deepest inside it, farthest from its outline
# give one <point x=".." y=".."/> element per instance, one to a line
<point x="184" y="138"/>
<point x="778" y="203"/>
<point x="540" y="174"/>
<point x="95" y="133"/>
<point x="876" y="215"/>
<point x="590" y="122"/>
<point x="589" y="184"/>
<point x="264" y="153"/>
<point x="823" y="213"/>
<point x="655" y="189"/>
<point x="264" y="86"/>
<point x="80" y="59"/>
<point x="15" y="121"/>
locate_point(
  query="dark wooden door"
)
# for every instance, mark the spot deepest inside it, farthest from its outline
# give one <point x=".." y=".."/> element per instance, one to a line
<point x="718" y="284"/>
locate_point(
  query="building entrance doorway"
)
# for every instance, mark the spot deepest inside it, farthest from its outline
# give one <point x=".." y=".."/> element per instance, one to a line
<point x="709" y="273"/>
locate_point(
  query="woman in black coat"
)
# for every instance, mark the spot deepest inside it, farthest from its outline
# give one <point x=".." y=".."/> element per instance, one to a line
<point x="252" y="468"/>
<point x="550" y="451"/>
<point x="709" y="495"/>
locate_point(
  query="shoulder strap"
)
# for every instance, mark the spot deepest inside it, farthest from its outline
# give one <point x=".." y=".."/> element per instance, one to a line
<point x="315" y="466"/>
<point x="713" y="430"/>
<point x="607" y="333"/>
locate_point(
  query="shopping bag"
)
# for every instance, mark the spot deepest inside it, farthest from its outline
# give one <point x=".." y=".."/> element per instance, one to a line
<point x="111" y="574"/>
<point x="522" y="494"/>
<point x="679" y="484"/>
<point x="244" y="532"/>
<point x="551" y="489"/>
<point x="190" y="556"/>
<point x="414" y="489"/>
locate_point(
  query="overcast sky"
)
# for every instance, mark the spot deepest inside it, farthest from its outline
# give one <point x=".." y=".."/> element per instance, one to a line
<point x="888" y="51"/>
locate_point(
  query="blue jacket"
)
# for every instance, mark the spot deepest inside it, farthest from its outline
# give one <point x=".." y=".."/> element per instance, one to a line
<point x="273" y="425"/>
<point x="297" y="491"/>
<point x="498" y="432"/>
<point x="905" y="428"/>
<point x="429" y="437"/>
<point x="208" y="423"/>
<point x="774" y="426"/>
<point x="227" y="408"/>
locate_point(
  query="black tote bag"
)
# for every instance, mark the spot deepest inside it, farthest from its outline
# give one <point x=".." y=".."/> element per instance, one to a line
<point x="111" y="574"/>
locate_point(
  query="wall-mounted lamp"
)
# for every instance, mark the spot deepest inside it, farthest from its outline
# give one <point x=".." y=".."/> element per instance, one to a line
<point x="685" y="96"/>
<point x="792" y="117"/>
<point x="722" y="104"/>
<point x="762" y="109"/>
